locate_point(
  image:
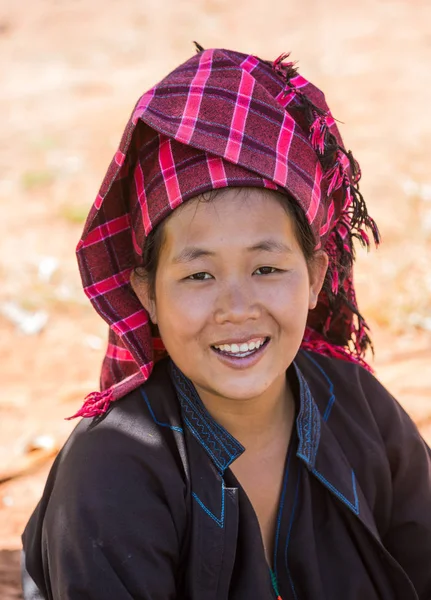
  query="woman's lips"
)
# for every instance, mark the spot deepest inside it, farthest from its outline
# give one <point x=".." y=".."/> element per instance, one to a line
<point x="242" y="362"/>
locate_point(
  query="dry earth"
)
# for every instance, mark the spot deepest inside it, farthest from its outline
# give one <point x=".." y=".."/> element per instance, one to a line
<point x="70" y="71"/>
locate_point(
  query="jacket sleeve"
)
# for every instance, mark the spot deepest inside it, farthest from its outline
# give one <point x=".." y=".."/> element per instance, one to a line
<point x="115" y="519"/>
<point x="408" y="537"/>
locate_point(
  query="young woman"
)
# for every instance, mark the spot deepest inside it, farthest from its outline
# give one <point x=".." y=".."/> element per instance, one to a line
<point x="240" y="448"/>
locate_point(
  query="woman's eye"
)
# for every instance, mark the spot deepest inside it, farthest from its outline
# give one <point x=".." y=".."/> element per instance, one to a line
<point x="201" y="276"/>
<point x="266" y="270"/>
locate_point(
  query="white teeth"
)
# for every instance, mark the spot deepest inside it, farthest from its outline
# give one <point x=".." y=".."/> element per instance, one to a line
<point x="240" y="348"/>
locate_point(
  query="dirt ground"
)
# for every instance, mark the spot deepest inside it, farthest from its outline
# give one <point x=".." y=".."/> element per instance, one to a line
<point x="70" y="72"/>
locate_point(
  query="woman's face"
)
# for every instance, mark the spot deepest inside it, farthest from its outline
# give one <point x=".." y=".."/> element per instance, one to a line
<point x="232" y="292"/>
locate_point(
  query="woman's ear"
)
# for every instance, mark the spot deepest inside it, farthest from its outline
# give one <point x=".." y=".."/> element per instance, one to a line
<point x="317" y="272"/>
<point x="141" y="287"/>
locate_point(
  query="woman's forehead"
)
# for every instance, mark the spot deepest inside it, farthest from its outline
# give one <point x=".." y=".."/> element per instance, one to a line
<point x="235" y="215"/>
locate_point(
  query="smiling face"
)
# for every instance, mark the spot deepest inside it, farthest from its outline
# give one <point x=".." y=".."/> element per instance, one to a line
<point x="232" y="293"/>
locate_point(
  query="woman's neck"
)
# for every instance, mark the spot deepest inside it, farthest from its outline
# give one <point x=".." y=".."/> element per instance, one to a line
<point x="254" y="422"/>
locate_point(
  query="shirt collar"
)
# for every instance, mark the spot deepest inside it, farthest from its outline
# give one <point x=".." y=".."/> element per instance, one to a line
<point x="308" y="422"/>
<point x="220" y="445"/>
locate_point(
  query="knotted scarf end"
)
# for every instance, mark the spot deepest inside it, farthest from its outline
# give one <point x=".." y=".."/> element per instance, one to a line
<point x="95" y="404"/>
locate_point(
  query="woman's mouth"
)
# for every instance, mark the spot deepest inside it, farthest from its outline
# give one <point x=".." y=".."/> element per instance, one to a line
<point x="241" y="353"/>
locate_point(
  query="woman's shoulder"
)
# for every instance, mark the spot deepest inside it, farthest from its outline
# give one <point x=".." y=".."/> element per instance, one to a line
<point x="330" y="373"/>
<point x="118" y="487"/>
<point x="135" y="448"/>
<point x="149" y="415"/>
<point x="353" y="396"/>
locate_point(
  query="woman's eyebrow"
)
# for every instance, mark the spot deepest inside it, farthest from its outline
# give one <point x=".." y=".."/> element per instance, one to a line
<point x="190" y="253"/>
<point x="270" y="245"/>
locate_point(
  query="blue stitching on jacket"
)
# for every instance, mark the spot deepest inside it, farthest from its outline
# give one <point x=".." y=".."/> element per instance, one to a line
<point x="292" y="517"/>
<point x="307" y="423"/>
<point x="331" y="387"/>
<point x="211" y="426"/>
<point x="173" y="427"/>
<point x="353" y="507"/>
<point x="280" y="511"/>
<point x="218" y="464"/>
<point x="222" y="447"/>
<point x="204" y="438"/>
<point x="181" y="379"/>
<point x="219" y="521"/>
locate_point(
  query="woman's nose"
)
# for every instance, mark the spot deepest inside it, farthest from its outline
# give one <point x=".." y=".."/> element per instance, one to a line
<point x="236" y="303"/>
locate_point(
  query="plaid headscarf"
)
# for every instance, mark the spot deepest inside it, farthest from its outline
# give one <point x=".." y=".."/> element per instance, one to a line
<point x="221" y="119"/>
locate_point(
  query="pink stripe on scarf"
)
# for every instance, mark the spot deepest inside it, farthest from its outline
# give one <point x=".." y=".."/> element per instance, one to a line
<point x="282" y="150"/>
<point x="136" y="246"/>
<point x="119" y="158"/>
<point x="249" y="63"/>
<point x="142" y="105"/>
<point x="108" y="285"/>
<point x="330" y="214"/>
<point x="167" y="167"/>
<point x="138" y="176"/>
<point x="315" y="196"/>
<point x="118" y="353"/>
<point x="270" y="185"/>
<point x="98" y="201"/>
<point x="285" y="97"/>
<point x="146" y="369"/>
<point x="240" y="113"/>
<point x="131" y="322"/>
<point x="217" y="172"/>
<point x="194" y="98"/>
<point x="298" y="81"/>
<point x="106" y="230"/>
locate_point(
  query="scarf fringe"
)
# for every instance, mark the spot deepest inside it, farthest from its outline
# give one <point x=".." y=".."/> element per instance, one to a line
<point x="345" y="330"/>
<point x="198" y="47"/>
<point x="318" y="344"/>
<point x="95" y="404"/>
<point x="318" y="131"/>
<point x="286" y="70"/>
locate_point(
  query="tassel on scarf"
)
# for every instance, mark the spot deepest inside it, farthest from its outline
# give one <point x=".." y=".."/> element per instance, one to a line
<point x="335" y="282"/>
<point x="326" y="348"/>
<point x="286" y="70"/>
<point x="198" y="47"/>
<point x="278" y="65"/>
<point x="95" y="404"/>
<point x="360" y="217"/>
<point x="336" y="176"/>
<point x="318" y="129"/>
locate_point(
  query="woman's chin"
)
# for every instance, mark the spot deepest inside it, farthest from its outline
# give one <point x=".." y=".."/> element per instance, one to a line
<point x="240" y="387"/>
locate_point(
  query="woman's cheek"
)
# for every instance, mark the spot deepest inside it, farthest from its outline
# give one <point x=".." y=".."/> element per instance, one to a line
<point x="187" y="304"/>
<point x="281" y="294"/>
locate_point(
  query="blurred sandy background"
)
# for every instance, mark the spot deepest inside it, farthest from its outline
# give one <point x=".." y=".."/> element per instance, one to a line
<point x="70" y="72"/>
